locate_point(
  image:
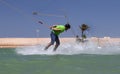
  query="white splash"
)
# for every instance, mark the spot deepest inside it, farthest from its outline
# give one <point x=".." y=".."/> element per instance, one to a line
<point x="71" y="49"/>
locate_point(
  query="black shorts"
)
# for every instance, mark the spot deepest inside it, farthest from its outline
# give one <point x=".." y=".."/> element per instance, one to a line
<point x="54" y="38"/>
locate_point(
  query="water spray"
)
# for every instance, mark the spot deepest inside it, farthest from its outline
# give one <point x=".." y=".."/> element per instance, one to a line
<point x="99" y="47"/>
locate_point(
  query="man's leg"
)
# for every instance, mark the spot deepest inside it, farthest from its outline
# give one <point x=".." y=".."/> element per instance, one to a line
<point x="47" y="46"/>
<point x="52" y="41"/>
<point x="57" y="43"/>
<point x="56" y="46"/>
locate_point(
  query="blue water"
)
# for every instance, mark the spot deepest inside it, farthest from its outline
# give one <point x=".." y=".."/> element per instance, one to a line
<point x="77" y="60"/>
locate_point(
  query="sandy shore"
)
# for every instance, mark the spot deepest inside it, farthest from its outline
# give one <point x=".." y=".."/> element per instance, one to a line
<point x="19" y="42"/>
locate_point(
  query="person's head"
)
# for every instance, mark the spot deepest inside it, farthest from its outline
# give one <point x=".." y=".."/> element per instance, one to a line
<point x="67" y="26"/>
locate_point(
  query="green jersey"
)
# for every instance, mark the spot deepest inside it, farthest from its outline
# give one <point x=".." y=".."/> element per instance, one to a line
<point x="61" y="27"/>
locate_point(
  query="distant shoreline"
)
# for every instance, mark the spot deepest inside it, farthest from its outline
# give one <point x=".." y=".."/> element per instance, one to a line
<point x="20" y="42"/>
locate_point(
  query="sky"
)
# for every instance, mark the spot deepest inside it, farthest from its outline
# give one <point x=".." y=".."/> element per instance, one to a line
<point x="17" y="19"/>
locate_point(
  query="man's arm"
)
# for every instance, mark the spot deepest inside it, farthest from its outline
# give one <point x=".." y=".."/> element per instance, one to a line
<point x="54" y="28"/>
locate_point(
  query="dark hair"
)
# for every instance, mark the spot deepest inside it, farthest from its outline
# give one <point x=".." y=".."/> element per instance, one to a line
<point x="67" y="25"/>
